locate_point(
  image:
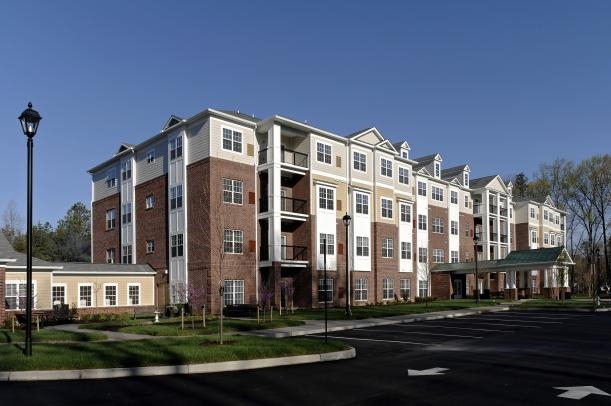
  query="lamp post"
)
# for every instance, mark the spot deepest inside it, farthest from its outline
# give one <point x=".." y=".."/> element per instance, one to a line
<point x="346" y="219"/>
<point x="29" y="124"/>
<point x="598" y="272"/>
<point x="475" y="241"/>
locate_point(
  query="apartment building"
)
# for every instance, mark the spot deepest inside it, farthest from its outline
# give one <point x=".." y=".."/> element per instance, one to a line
<point x="238" y="209"/>
<point x="539" y="224"/>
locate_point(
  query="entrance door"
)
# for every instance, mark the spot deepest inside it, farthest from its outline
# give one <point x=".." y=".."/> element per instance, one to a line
<point x="458" y="289"/>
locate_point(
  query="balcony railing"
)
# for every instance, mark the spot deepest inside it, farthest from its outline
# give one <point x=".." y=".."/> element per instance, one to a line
<point x="492" y="208"/>
<point x="289" y="204"/>
<point x="504" y="238"/>
<point x="493" y="236"/>
<point x="503" y="211"/>
<point x="477" y="208"/>
<point x="287" y="253"/>
<point x="287" y="156"/>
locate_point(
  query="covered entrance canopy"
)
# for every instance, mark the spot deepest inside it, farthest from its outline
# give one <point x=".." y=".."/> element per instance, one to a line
<point x="555" y="258"/>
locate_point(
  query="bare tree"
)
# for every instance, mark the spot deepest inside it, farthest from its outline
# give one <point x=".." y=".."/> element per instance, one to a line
<point x="12" y="221"/>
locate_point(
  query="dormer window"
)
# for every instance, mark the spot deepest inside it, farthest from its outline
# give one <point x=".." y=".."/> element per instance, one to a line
<point x="437" y="170"/>
<point x="404" y="154"/>
<point x="466" y="180"/>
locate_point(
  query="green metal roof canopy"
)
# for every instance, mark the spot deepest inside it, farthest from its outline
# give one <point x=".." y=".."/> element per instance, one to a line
<point x="515" y="261"/>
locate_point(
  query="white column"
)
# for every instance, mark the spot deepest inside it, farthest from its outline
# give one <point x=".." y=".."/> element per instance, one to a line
<point x="274" y="199"/>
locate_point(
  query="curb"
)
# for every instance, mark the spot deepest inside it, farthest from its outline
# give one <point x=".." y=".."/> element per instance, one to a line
<point x="78" y="374"/>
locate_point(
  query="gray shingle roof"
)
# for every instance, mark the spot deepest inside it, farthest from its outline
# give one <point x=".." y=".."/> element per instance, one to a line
<point x="481" y="182"/>
<point x="8" y="252"/>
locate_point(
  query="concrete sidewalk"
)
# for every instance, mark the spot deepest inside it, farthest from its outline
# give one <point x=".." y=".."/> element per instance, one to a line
<point x="310" y="327"/>
<point x="318" y="326"/>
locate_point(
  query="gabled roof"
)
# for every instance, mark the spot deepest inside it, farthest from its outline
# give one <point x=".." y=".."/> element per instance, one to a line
<point x="124" y="147"/>
<point x="426" y="160"/>
<point x="401" y="145"/>
<point x="171" y="122"/>
<point x="454" y="173"/>
<point x="481" y="182"/>
<point x="357" y="136"/>
<point x="523" y="260"/>
<point x="387" y="145"/>
<point x="19" y="259"/>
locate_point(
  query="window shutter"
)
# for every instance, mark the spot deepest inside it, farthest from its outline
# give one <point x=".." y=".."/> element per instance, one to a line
<point x="252" y="246"/>
<point x="252" y="198"/>
<point x="338" y="161"/>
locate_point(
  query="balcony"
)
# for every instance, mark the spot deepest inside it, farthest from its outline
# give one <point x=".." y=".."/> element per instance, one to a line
<point x="287" y="253"/>
<point x="287" y="204"/>
<point x="503" y="211"/>
<point x="504" y="238"/>
<point x="494" y="236"/>
<point x="287" y="156"/>
<point x="492" y="208"/>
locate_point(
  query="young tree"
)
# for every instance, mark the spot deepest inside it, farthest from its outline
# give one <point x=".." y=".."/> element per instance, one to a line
<point x="12" y="222"/>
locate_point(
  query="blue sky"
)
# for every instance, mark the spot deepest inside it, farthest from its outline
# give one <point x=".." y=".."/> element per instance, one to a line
<point x="500" y="85"/>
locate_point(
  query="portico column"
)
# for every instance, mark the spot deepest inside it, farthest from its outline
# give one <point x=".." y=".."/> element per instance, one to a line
<point x="511" y="291"/>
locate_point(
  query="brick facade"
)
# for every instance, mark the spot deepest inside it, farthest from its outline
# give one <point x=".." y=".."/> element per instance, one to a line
<point x="105" y="238"/>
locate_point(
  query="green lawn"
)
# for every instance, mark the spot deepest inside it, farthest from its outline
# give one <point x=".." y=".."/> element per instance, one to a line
<point x="158" y="351"/>
<point x="7" y="336"/>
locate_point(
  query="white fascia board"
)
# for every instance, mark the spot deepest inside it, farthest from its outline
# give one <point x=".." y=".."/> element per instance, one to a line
<point x="302" y="126"/>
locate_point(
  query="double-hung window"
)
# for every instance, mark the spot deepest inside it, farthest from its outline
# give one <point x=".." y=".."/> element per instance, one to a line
<point x="325" y="290"/>
<point x="126" y="257"/>
<point x="421" y="221"/>
<point x="110" y="256"/>
<point x="150" y="246"/>
<point x="406" y="289"/>
<point x="150" y="201"/>
<point x="326" y="197"/>
<point x="386" y="208"/>
<point x="454" y="227"/>
<point x="362" y="203"/>
<point x="176" y="245"/>
<point x="438" y="255"/>
<point x="234" y="292"/>
<point x="422" y="255"/>
<point x="175" y="197"/>
<point x="323" y="153"/>
<point x="176" y="148"/>
<point x="327" y="240"/>
<point x="232" y="140"/>
<point x="406" y="213"/>
<point x="126" y="213"/>
<point x="233" y="191"/>
<point x="388" y="291"/>
<point x="421" y="188"/>
<point x="386" y="167"/>
<point x="387" y="248"/>
<point x="362" y="246"/>
<point x="150" y="156"/>
<point x="133" y="294"/>
<point x="453" y="197"/>
<point x="360" y="161"/>
<point x="111" y="219"/>
<point x="126" y="170"/>
<point x="360" y="289"/>
<point x="406" y="250"/>
<point x="58" y="295"/>
<point x="437" y="193"/>
<point x="111" y="178"/>
<point x="234" y="241"/>
<point x="110" y="295"/>
<point x="85" y="295"/>
<point x="437" y="225"/>
<point x="403" y="175"/>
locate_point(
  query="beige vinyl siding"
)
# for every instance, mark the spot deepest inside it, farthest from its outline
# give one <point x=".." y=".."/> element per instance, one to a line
<point x="216" y="142"/>
<point x="358" y="175"/>
<point x="100" y="190"/>
<point x="337" y="150"/>
<point x="199" y="141"/>
<point x="446" y="194"/>
<point x="42" y="280"/>
<point x="72" y="282"/>
<point x="376" y="205"/>
<point x="148" y="171"/>
<point x="369" y="138"/>
<point x="385" y="180"/>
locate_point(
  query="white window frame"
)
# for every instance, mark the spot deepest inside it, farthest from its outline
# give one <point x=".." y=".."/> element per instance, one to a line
<point x="437" y="225"/>
<point x="176" y="197"/>
<point x="359" y="160"/>
<point x="453" y="227"/>
<point x="405" y="212"/>
<point x="423" y="288"/>
<point x="80" y="297"/>
<point x="406" y="250"/>
<point x="232" y="140"/>
<point x="422" y="222"/>
<point x="328" y="198"/>
<point x="423" y="254"/>
<point x="386" y="207"/>
<point x="361" y="287"/>
<point x="233" y="191"/>
<point x="130" y="295"/>
<point x="111" y="178"/>
<point x="126" y="170"/>
<point x="234" y="291"/>
<point x="175" y="148"/>
<point x="388" y="289"/>
<point x="453" y="197"/>
<point x="387" y="247"/>
<point x="107" y="301"/>
<point x="362" y="246"/>
<point x="21" y="285"/>
<point x="386" y="167"/>
<point x="233" y="241"/>
<point x="436" y="193"/>
<point x="150" y="246"/>
<point x="111" y="218"/>
<point x="328" y="292"/>
<point x="361" y="203"/>
<point x="111" y="255"/>
<point x="64" y="287"/>
<point x="403" y="175"/>
<point x="437" y="167"/>
<point x="453" y="256"/>
<point x="438" y="255"/>
<point x="324" y="153"/>
<point x="126" y="213"/>
<point x="421" y="188"/>
<point x="177" y="245"/>
<point x="405" y="289"/>
<point x="127" y="254"/>
<point x="150" y="156"/>
<point x="329" y="239"/>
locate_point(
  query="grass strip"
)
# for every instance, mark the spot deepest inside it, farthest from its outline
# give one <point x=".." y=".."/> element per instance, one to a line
<point x="161" y="351"/>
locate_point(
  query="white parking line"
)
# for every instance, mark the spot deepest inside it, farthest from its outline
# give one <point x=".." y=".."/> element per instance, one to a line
<point x="371" y="339"/>
<point x="424" y="333"/>
<point x="526" y="321"/>
<point x="503" y="324"/>
<point x="487" y="330"/>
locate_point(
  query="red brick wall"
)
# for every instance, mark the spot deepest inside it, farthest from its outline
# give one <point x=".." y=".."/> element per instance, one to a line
<point x="151" y="223"/>
<point x="522" y="236"/>
<point x="209" y="216"/>
<point x="384" y="267"/>
<point x="439" y="240"/>
<point x="104" y="239"/>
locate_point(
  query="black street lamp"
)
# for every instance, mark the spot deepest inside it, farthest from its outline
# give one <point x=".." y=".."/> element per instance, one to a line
<point x="346" y="219"/>
<point x="475" y="241"/>
<point x="598" y="272"/>
<point x="29" y="124"/>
